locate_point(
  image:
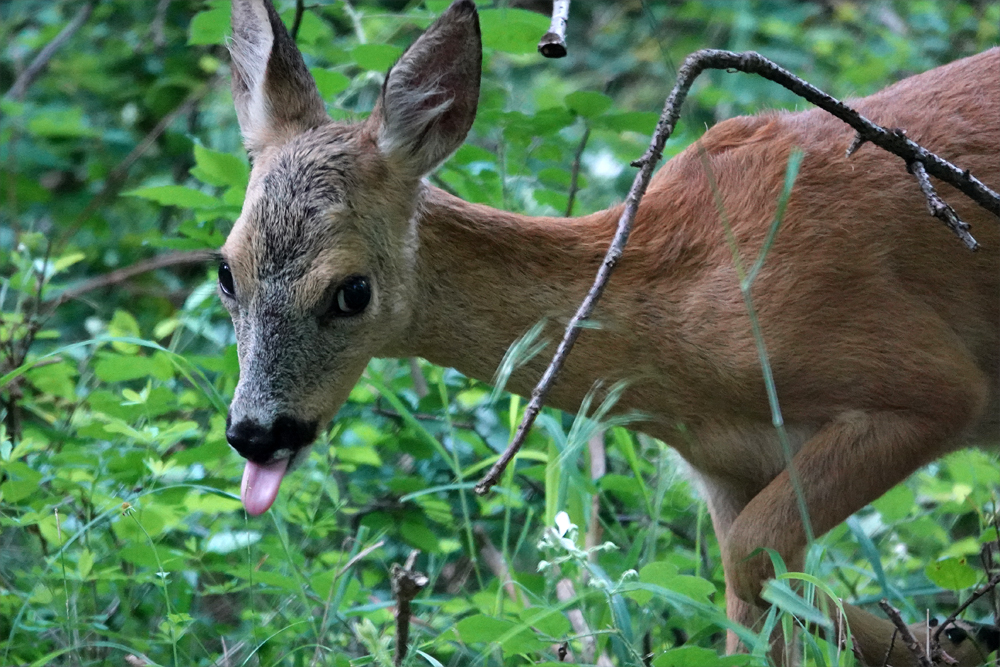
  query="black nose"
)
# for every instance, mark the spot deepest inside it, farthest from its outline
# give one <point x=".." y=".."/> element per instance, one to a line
<point x="259" y="443"/>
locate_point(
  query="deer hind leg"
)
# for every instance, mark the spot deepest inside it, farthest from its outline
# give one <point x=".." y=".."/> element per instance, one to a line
<point x="726" y="501"/>
<point x="849" y="462"/>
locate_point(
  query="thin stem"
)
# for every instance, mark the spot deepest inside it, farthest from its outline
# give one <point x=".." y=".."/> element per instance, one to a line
<point x="300" y="8"/>
<point x="41" y="61"/>
<point x="575" y="174"/>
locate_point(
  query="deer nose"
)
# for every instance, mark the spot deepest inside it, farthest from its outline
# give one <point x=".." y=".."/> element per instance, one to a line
<point x="259" y="443"/>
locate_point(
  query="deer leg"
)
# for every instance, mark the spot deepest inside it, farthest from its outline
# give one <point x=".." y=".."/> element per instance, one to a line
<point x="851" y="461"/>
<point x="726" y="502"/>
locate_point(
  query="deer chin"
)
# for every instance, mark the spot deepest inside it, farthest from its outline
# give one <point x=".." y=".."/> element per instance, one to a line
<point x="260" y="485"/>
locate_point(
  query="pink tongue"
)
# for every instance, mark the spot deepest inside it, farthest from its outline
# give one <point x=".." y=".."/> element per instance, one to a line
<point x="260" y="485"/>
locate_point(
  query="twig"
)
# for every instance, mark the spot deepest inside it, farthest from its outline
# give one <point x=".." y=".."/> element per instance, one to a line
<point x="892" y="643"/>
<point x="553" y="43"/>
<point x="406" y="584"/>
<point x="357" y="557"/>
<point x="753" y="63"/>
<point x="904" y="632"/>
<point x="986" y="588"/>
<point x="41" y="61"/>
<point x="941" y="210"/>
<point x="121" y="275"/>
<point x="158" y="26"/>
<point x="575" y="174"/>
<point x="300" y="8"/>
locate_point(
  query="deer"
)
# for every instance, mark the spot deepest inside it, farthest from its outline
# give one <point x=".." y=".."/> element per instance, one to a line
<point x="881" y="330"/>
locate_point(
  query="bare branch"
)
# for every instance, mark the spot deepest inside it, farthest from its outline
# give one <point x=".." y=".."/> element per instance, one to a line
<point x="905" y="634"/>
<point x="145" y="266"/>
<point x="888" y="651"/>
<point x="359" y="556"/>
<point x="753" y="63"/>
<point x="41" y="61"/>
<point x="940" y="209"/>
<point x="553" y="43"/>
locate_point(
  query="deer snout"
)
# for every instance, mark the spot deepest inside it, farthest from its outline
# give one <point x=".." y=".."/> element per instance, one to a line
<point x="262" y="443"/>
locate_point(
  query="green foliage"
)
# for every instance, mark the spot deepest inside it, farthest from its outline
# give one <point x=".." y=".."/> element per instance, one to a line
<point x="121" y="531"/>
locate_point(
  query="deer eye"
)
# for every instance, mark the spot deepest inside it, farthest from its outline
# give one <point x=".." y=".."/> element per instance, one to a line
<point x="351" y="297"/>
<point x="226" y="280"/>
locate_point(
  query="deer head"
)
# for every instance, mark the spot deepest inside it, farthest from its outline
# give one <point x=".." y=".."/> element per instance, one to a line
<point x="318" y="268"/>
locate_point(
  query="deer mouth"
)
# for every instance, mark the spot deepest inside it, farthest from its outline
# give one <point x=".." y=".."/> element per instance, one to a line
<point x="260" y="485"/>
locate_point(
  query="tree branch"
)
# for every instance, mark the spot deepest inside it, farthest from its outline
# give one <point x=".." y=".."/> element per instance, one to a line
<point x="553" y="43"/>
<point x="939" y="208"/>
<point x="41" y="61"/>
<point x="905" y="634"/>
<point x="895" y="142"/>
<point x="121" y="275"/>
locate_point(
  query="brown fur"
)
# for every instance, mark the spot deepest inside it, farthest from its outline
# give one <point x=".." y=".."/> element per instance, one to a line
<point x="880" y="328"/>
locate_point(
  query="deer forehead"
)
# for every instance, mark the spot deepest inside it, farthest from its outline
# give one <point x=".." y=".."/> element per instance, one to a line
<point x="299" y="207"/>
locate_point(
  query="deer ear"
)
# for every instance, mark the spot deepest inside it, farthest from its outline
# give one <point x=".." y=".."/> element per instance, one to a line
<point x="429" y="97"/>
<point x="274" y="93"/>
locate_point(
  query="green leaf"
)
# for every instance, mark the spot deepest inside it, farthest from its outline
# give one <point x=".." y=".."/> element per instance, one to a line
<point x="120" y="368"/>
<point x="688" y="656"/>
<point x="588" y="103"/>
<point x="897" y="504"/>
<point x="176" y="195"/>
<point x="85" y="563"/>
<point x="59" y="380"/>
<point x="67" y="261"/>
<point x="123" y="325"/>
<point x="377" y="57"/>
<point x="952" y="574"/>
<point x="781" y="595"/>
<point x="482" y="629"/>
<point x="420" y="536"/>
<point x="658" y="573"/>
<point x="330" y="82"/>
<point x="512" y="30"/>
<point x="61" y="123"/>
<point x="547" y="621"/>
<point x="211" y="25"/>
<point x="359" y="455"/>
<point x="217" y="168"/>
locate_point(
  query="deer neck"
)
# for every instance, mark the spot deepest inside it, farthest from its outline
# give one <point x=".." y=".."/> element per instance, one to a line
<point x="484" y="277"/>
